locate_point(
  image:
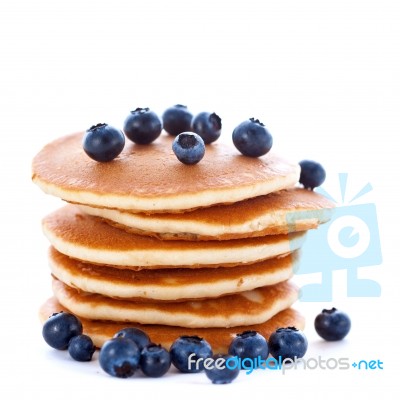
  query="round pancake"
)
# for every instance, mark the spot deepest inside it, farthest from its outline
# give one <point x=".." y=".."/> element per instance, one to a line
<point x="259" y="216"/>
<point x="150" y="178"/>
<point x="88" y="238"/>
<point x="246" y="308"/>
<point x="167" y="284"/>
<point x="219" y="338"/>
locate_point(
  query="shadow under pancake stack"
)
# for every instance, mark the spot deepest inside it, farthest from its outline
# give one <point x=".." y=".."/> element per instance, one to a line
<point x="146" y="241"/>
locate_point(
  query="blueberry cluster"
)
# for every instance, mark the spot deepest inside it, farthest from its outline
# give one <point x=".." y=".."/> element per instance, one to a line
<point x="104" y="143"/>
<point x="131" y="349"/>
<point x="64" y="331"/>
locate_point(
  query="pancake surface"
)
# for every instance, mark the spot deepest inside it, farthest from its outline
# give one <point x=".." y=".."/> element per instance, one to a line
<point x="87" y="238"/>
<point x="219" y="338"/>
<point x="247" y="308"/>
<point x="167" y="284"/>
<point x="258" y="216"/>
<point x="150" y="178"/>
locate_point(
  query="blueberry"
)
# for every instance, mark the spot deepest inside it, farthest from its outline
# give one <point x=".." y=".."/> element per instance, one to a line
<point x="219" y="372"/>
<point x="103" y="142"/>
<point x="332" y="324"/>
<point x="249" y="344"/>
<point x="251" y="138"/>
<point x="189" y="148"/>
<point x="177" y="119"/>
<point x="207" y="126"/>
<point x="81" y="348"/>
<point x="137" y="335"/>
<point x="60" y="328"/>
<point x="119" y="357"/>
<point x="155" y="360"/>
<point x="188" y="353"/>
<point x="288" y="343"/>
<point x="312" y="174"/>
<point x="142" y="126"/>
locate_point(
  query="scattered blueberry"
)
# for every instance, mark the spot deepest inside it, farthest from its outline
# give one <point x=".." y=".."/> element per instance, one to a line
<point x="288" y="343"/>
<point x="103" y="142"/>
<point x="137" y="335"/>
<point x="219" y="373"/>
<point x="186" y="352"/>
<point x="249" y="344"/>
<point x="189" y="148"/>
<point x="155" y="360"/>
<point x="142" y="126"/>
<point x="177" y="119"/>
<point x="81" y="348"/>
<point x="332" y="324"/>
<point x="312" y="174"/>
<point x="251" y="138"/>
<point x="207" y="126"/>
<point x="119" y="357"/>
<point x="60" y="328"/>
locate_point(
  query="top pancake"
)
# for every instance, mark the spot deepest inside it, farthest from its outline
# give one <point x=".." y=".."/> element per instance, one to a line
<point x="149" y="178"/>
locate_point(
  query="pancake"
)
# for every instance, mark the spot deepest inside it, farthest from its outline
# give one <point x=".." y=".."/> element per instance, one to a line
<point x="259" y="216"/>
<point x="167" y="284"/>
<point x="150" y="178"/>
<point x="246" y="308"/>
<point x="219" y="338"/>
<point x="88" y="238"/>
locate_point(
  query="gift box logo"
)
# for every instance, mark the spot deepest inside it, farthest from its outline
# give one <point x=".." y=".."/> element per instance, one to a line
<point x="349" y="241"/>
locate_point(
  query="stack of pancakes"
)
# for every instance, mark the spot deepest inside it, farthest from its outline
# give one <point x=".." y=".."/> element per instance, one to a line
<point x="174" y="249"/>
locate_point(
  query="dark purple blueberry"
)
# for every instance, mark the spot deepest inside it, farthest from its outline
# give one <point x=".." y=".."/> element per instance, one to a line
<point x="189" y="352"/>
<point x="60" y="328"/>
<point x="81" y="348"/>
<point x="142" y="126"/>
<point x="288" y="343"/>
<point x="177" y="119"/>
<point x="103" y="142"/>
<point x="249" y="344"/>
<point x="189" y="148"/>
<point x="312" y="174"/>
<point x="251" y="138"/>
<point x="222" y="370"/>
<point x="207" y="126"/>
<point x="119" y="357"/>
<point x="140" y="337"/>
<point x="332" y="324"/>
<point x="155" y="360"/>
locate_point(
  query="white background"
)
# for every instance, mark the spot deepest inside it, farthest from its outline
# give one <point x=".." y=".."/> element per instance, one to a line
<point x="322" y="75"/>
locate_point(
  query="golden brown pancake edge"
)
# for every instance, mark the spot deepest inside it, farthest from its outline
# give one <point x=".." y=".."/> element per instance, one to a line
<point x="219" y="338"/>
<point x="150" y="178"/>
<point x="169" y="284"/>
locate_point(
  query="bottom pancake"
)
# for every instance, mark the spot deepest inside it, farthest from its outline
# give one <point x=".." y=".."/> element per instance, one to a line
<point x="219" y="338"/>
<point x="246" y="308"/>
